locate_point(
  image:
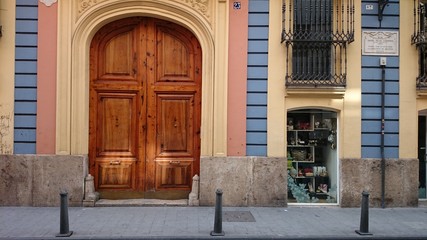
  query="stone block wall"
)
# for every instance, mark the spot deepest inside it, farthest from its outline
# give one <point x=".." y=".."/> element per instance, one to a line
<point x="37" y="180"/>
<point x="245" y="181"/>
<point x="401" y="178"/>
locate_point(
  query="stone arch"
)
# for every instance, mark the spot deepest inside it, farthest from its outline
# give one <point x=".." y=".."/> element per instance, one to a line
<point x="315" y="107"/>
<point x="73" y="63"/>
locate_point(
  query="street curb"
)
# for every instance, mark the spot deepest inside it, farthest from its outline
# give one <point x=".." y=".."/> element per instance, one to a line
<point x="230" y="237"/>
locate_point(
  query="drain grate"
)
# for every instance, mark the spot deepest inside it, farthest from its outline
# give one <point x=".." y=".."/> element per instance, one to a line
<point x="237" y="216"/>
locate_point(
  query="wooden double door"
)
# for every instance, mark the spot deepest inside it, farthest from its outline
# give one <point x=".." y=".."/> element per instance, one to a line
<point x="145" y="109"/>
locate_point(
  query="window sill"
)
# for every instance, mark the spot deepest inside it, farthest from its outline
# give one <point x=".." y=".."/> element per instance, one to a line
<point x="336" y="92"/>
<point x="422" y="93"/>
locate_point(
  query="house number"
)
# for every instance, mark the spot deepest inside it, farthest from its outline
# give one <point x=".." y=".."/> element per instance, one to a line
<point x="237" y="5"/>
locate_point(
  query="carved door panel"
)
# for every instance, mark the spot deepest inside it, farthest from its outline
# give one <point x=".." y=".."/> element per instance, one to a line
<point x="116" y="140"/>
<point x="174" y="131"/>
<point x="145" y="100"/>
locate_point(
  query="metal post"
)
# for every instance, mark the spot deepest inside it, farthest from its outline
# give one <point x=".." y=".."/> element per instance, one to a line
<point x="382" y="134"/>
<point x="218" y="215"/>
<point x="64" y="230"/>
<point x="364" y="216"/>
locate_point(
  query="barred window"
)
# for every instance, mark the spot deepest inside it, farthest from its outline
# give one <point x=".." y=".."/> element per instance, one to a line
<point x="419" y="39"/>
<point x="316" y="33"/>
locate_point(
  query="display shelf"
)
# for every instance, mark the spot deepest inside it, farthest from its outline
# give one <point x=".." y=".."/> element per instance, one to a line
<point x="308" y="134"/>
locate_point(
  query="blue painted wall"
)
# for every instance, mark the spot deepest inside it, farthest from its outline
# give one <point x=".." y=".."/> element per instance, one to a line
<point x="256" y="142"/>
<point x="371" y="88"/>
<point x="256" y="120"/>
<point x="25" y="77"/>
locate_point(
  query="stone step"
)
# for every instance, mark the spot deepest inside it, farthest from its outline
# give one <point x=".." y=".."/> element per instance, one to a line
<point x="140" y="202"/>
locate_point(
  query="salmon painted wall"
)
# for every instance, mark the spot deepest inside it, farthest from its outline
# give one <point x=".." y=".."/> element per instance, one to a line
<point x="237" y="75"/>
<point x="46" y="78"/>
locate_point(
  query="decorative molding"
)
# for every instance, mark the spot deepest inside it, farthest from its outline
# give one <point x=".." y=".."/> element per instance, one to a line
<point x="86" y="4"/>
<point x="200" y="5"/>
<point x="48" y="3"/>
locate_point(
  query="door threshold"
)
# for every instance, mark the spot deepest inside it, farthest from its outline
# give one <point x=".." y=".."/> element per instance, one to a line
<point x="140" y="203"/>
<point x="422" y="202"/>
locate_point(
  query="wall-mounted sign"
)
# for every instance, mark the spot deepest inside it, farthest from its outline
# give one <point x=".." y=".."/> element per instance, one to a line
<point x="369" y="7"/>
<point x="237" y="5"/>
<point x="380" y="43"/>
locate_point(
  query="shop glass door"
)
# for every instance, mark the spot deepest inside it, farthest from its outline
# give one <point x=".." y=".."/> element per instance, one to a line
<point x="312" y="156"/>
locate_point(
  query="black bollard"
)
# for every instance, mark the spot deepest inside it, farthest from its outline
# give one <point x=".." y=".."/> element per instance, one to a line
<point x="364" y="216"/>
<point x="64" y="230"/>
<point x="218" y="215"/>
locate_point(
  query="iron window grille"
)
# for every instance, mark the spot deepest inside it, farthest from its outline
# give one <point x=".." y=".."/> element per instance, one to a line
<point x="316" y="34"/>
<point x="419" y="39"/>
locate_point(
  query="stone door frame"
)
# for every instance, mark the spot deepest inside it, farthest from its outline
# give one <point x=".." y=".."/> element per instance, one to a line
<point x="80" y="20"/>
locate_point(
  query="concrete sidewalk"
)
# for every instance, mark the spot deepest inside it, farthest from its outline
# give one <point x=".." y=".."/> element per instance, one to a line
<point x="197" y="222"/>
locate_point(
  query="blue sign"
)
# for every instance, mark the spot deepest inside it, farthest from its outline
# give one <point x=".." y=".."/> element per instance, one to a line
<point x="237" y="5"/>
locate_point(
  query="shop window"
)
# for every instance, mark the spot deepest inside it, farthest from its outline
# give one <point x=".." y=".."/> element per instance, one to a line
<point x="419" y="39"/>
<point x="422" y="139"/>
<point x="316" y="34"/>
<point x="312" y="156"/>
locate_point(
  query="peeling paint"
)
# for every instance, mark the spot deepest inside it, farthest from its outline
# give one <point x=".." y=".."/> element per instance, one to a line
<point x="5" y="131"/>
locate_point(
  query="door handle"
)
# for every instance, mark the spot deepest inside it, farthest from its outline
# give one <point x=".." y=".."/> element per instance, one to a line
<point x="117" y="162"/>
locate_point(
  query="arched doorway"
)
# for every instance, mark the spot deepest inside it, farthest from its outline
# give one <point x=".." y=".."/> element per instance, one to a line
<point x="145" y="109"/>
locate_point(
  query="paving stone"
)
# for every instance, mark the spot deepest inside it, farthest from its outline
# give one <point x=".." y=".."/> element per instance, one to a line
<point x="238" y="216"/>
<point x="167" y="222"/>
